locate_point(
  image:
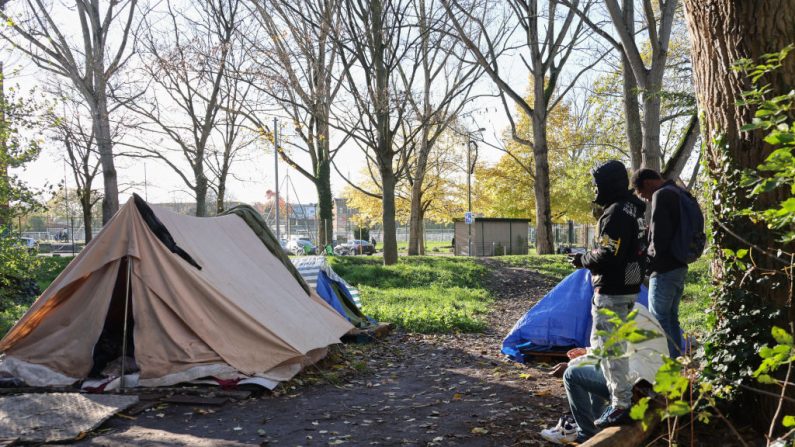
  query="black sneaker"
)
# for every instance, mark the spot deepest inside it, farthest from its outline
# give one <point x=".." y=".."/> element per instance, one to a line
<point x="613" y="416"/>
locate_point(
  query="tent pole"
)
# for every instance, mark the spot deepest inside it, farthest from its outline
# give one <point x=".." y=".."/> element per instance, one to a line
<point x="126" y="313"/>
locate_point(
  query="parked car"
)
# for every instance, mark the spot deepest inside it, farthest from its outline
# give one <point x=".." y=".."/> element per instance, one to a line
<point x="301" y="246"/>
<point x="355" y="247"/>
<point x="31" y="244"/>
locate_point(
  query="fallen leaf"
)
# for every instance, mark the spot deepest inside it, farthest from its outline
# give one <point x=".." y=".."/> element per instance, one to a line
<point x="480" y="431"/>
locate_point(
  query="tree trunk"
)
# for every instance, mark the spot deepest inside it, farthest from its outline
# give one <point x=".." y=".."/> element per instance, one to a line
<point x="201" y="194"/>
<point x="631" y="104"/>
<point x="325" y="202"/>
<point x="101" y="120"/>
<point x="544" y="243"/>
<point x="415" y="219"/>
<point x="676" y="164"/>
<point x="422" y="233"/>
<point x="416" y="209"/>
<point x="651" y="126"/>
<point x="85" y="204"/>
<point x="384" y="132"/>
<point x="388" y="216"/>
<point x="219" y="201"/>
<point x="5" y="200"/>
<point x="723" y="32"/>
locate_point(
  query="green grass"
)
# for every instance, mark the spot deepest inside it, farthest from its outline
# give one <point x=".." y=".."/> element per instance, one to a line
<point x="694" y="309"/>
<point x="421" y="294"/>
<point x="556" y="266"/>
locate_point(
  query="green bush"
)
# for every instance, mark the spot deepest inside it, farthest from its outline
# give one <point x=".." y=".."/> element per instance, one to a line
<point x="49" y="268"/>
<point x="18" y="287"/>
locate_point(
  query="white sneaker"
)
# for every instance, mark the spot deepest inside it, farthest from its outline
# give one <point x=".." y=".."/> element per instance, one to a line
<point x="563" y="433"/>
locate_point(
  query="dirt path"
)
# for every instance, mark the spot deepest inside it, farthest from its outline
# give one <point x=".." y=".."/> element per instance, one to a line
<point x="408" y="389"/>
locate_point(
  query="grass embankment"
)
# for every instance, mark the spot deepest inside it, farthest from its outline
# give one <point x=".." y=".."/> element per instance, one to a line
<point x="421" y="294"/>
<point x="694" y="315"/>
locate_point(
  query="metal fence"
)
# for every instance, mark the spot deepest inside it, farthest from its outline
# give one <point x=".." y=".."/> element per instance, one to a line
<point x="488" y="249"/>
<point x="60" y="234"/>
<point x="569" y="235"/>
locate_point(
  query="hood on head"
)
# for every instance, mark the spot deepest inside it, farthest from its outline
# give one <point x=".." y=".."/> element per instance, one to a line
<point x="611" y="181"/>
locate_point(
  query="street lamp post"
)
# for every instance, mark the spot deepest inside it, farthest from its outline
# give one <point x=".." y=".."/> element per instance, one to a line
<point x="470" y="170"/>
<point x="276" y="172"/>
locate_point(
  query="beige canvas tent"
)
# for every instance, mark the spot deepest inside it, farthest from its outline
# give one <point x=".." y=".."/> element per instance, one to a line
<point x="206" y="298"/>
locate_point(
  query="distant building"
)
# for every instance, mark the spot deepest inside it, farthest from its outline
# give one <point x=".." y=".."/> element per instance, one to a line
<point x="491" y="236"/>
<point x="341" y="220"/>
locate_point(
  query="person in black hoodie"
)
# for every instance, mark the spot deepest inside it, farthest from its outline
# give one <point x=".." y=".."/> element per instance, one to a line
<point x="617" y="266"/>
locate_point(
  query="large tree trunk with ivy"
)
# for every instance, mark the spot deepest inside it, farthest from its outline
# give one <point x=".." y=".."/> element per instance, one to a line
<point x="747" y="303"/>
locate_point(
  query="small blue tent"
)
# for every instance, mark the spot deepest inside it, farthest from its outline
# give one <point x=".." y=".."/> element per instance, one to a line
<point x="559" y="321"/>
<point x="333" y="289"/>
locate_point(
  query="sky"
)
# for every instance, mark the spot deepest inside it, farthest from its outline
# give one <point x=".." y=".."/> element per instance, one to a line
<point x="253" y="177"/>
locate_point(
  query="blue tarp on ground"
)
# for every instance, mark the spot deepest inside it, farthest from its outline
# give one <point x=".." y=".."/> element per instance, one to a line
<point x="562" y="319"/>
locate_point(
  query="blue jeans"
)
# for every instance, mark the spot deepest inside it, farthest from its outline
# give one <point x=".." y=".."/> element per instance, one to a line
<point x="665" y="292"/>
<point x="586" y="390"/>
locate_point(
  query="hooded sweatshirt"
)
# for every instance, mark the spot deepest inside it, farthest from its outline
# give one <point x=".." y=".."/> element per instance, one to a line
<point x="617" y="261"/>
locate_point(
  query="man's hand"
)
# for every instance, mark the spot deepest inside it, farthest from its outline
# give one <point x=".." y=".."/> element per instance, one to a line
<point x="576" y="352"/>
<point x="576" y="260"/>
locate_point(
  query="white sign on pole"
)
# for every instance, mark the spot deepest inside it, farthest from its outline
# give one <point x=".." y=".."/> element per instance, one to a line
<point x="468" y="218"/>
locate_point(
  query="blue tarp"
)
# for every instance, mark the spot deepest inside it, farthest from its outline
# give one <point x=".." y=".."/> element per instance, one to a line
<point x="325" y="290"/>
<point x="562" y="319"/>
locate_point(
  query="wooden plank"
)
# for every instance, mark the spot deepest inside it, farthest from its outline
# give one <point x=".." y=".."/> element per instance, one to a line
<point x="625" y="435"/>
<point x="620" y="436"/>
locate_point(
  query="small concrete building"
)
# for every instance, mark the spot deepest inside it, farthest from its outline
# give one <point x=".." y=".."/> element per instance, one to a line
<point x="491" y="236"/>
